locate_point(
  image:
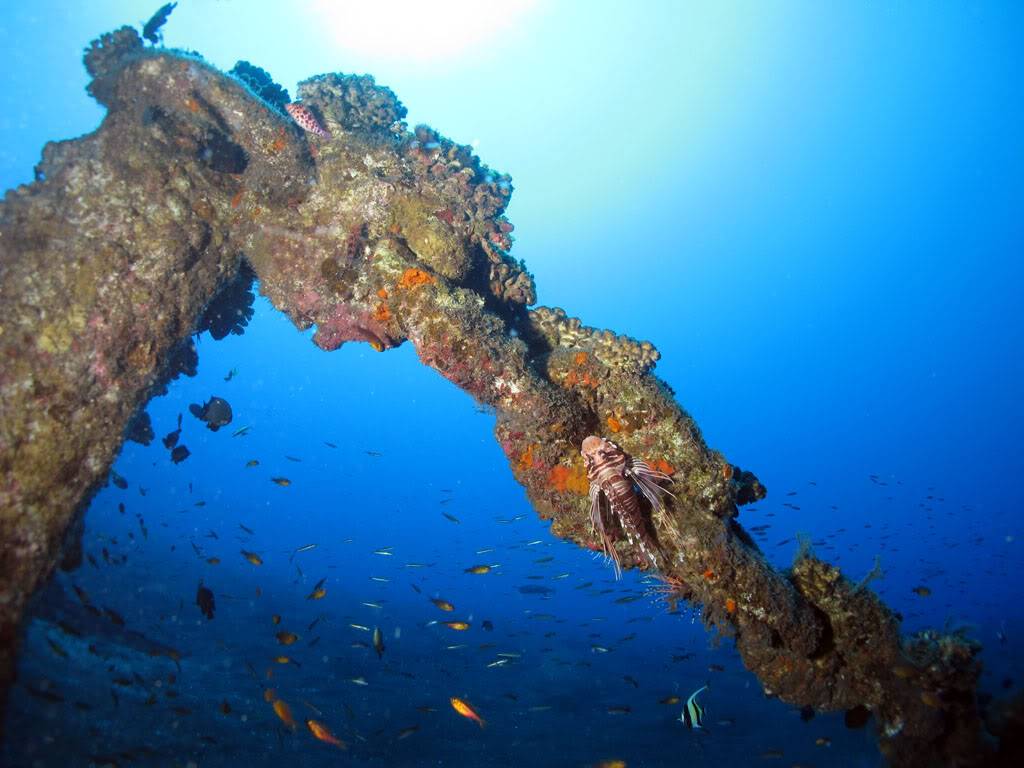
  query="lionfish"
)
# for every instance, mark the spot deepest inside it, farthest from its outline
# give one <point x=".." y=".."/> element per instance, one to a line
<point x="306" y="119"/>
<point x="614" y="473"/>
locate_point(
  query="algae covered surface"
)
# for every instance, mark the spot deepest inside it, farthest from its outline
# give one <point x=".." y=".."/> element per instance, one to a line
<point x="151" y="230"/>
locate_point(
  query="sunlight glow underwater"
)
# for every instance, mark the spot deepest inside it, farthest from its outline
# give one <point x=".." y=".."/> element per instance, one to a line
<point x="417" y="31"/>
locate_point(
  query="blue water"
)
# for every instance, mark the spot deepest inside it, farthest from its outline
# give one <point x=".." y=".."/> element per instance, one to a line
<point x="814" y="214"/>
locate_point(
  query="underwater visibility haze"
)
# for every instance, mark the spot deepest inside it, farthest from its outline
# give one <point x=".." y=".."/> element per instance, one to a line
<point x="245" y="521"/>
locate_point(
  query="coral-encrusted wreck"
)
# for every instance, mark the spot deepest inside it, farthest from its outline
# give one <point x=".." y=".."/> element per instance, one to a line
<point x="384" y="235"/>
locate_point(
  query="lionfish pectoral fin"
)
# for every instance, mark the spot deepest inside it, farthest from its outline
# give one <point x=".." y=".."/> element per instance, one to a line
<point x="647" y="480"/>
<point x="595" y="509"/>
<point x="597" y="521"/>
<point x="614" y="557"/>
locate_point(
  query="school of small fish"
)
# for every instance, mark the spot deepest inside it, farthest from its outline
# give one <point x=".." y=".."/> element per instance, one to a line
<point x="325" y="625"/>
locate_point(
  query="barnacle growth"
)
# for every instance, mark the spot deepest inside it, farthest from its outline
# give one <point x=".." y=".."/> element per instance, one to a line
<point x="384" y="235"/>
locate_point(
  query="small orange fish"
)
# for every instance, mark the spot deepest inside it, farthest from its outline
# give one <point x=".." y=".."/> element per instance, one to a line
<point x="269" y="695"/>
<point x="457" y="625"/>
<point x="317" y="594"/>
<point x="285" y="713"/>
<point x="286" y="638"/>
<point x="323" y="734"/>
<point x="467" y="711"/>
<point x="252" y="557"/>
<point x="213" y="560"/>
<point x="276" y="619"/>
<point x="479" y="569"/>
<point x="284" y="482"/>
<point x="444" y="605"/>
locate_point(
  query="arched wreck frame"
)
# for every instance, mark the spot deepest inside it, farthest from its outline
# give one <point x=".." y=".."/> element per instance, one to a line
<point x="384" y="235"/>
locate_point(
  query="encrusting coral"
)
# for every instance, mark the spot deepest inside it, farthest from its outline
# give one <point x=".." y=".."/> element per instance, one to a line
<point x="384" y="235"/>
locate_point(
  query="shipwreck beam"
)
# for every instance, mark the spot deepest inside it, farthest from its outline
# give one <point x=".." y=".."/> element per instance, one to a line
<point x="383" y="235"/>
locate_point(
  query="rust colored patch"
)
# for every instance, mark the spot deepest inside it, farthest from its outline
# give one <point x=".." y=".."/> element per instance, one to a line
<point x="730" y="605"/>
<point x="191" y="104"/>
<point x="569" y="479"/>
<point x="383" y="293"/>
<point x="414" y="277"/>
<point x="662" y="466"/>
<point x="277" y="145"/>
<point x="237" y="198"/>
<point x="727" y="472"/>
<point x="709" y="574"/>
<point x="614" y="424"/>
<point x="526" y="460"/>
<point x="576" y="379"/>
<point x="381" y="312"/>
<point x="581" y="358"/>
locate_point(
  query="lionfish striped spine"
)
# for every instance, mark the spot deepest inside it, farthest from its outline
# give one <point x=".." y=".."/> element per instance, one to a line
<point x="615" y="476"/>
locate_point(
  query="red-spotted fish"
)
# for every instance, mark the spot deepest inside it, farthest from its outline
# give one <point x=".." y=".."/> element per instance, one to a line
<point x="306" y="119"/>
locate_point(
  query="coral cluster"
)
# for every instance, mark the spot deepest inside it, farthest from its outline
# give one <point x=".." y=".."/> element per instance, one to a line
<point x="353" y="102"/>
<point x="261" y="83"/>
<point x="613" y="350"/>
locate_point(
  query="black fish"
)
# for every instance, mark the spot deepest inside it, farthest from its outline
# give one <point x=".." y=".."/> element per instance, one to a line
<point x="117" y="480"/>
<point x="171" y="438"/>
<point x="216" y="412"/>
<point x="180" y="453"/>
<point x="204" y="599"/>
<point x="151" y="31"/>
<point x="44" y="694"/>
